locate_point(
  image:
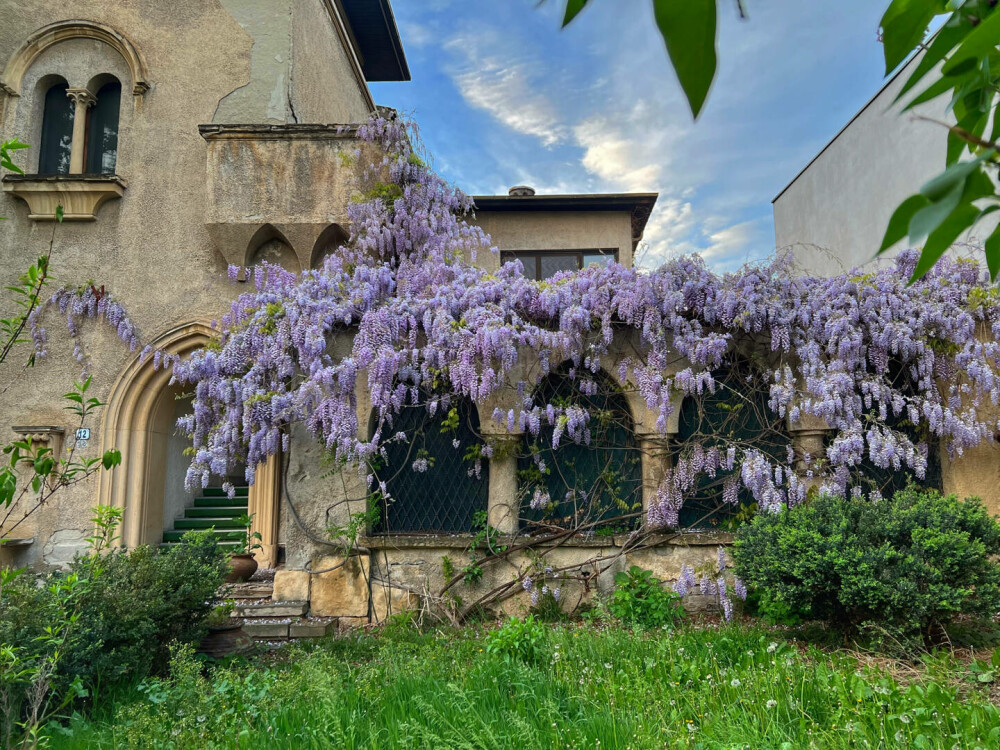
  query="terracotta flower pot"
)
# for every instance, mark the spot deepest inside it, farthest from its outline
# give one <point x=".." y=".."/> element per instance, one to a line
<point x="241" y="567"/>
<point x="223" y="640"/>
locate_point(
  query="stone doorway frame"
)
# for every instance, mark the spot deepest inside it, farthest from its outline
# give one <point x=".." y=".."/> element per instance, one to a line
<point x="137" y="486"/>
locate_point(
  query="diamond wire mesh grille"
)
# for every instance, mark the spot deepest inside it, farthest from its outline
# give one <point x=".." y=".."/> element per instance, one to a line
<point x="736" y="414"/>
<point x="444" y="498"/>
<point x="586" y="483"/>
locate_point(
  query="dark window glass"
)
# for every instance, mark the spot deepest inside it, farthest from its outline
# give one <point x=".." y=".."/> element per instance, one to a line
<point x="868" y="477"/>
<point x="553" y="264"/>
<point x="543" y="264"/>
<point x="102" y="130"/>
<point x="737" y="415"/>
<point x="57" y="131"/>
<point x="597" y="259"/>
<point x="586" y="483"/>
<point x="448" y="493"/>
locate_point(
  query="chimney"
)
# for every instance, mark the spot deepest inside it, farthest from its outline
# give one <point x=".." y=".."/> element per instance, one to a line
<point x="521" y="191"/>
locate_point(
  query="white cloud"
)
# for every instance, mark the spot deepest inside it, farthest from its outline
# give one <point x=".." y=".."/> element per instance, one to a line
<point x="599" y="110"/>
<point x="504" y="89"/>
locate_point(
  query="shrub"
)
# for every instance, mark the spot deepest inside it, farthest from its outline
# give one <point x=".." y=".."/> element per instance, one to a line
<point x="112" y="617"/>
<point x="522" y="640"/>
<point x="141" y="602"/>
<point x="907" y="564"/>
<point x="640" y="600"/>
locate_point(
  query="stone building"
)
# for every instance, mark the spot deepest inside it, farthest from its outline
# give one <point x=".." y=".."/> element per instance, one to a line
<point x="180" y="138"/>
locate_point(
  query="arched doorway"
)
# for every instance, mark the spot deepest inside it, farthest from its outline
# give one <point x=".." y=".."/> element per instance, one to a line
<point x="139" y="420"/>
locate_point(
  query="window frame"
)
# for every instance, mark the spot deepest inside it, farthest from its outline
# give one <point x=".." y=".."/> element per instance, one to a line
<point x="536" y="255"/>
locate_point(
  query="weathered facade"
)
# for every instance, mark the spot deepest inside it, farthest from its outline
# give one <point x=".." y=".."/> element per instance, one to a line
<point x="226" y="146"/>
<point x="178" y="140"/>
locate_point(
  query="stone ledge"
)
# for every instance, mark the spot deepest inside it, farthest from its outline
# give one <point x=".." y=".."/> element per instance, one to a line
<point x="80" y="195"/>
<point x="697" y="538"/>
<point x="292" y="131"/>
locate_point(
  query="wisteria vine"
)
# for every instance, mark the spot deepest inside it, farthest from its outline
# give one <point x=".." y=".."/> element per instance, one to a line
<point x="862" y="354"/>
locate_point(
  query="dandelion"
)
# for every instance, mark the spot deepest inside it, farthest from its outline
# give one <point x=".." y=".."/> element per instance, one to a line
<point x="735" y="682"/>
<point x="772" y="703"/>
<point x="772" y="647"/>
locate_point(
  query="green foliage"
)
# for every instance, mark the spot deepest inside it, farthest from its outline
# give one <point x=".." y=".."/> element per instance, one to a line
<point x="250" y="540"/>
<point x="7" y="148"/>
<point x="731" y="687"/>
<point x="519" y="640"/>
<point x="907" y="565"/>
<point x="548" y="609"/>
<point x="962" y="63"/>
<point x="109" y="620"/>
<point x="641" y="601"/>
<point x="141" y="602"/>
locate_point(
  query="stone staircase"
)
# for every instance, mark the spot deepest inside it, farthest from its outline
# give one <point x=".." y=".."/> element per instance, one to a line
<point x="268" y="621"/>
<point x="213" y="509"/>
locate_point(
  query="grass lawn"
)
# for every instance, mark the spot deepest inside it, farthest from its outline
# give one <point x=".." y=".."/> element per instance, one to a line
<point x="737" y="686"/>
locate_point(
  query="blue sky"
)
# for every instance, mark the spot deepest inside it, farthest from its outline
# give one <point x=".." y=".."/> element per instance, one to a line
<point x="503" y="97"/>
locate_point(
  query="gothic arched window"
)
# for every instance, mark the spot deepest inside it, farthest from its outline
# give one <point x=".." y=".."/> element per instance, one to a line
<point x="580" y="485"/>
<point x="102" y="130"/>
<point x="736" y="415"/>
<point x="431" y="476"/>
<point x="57" y="131"/>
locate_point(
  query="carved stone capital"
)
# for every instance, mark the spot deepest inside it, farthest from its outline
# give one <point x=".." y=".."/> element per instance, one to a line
<point x="82" y="97"/>
<point x="45" y="436"/>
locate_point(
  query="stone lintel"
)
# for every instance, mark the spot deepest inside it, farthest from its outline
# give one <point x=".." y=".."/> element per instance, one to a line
<point x="79" y="195"/>
<point x="292" y="131"/>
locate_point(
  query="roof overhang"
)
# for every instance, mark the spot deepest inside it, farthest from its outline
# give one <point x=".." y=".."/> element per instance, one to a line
<point x="638" y="205"/>
<point x="376" y="39"/>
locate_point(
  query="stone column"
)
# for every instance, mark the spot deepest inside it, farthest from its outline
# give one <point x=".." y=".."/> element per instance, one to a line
<point x="808" y="439"/>
<point x="655" y="457"/>
<point x="503" y="496"/>
<point x="263" y="506"/>
<point x="83" y="99"/>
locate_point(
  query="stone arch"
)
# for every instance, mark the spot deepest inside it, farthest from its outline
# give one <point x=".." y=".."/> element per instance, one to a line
<point x="446" y="494"/>
<point x="589" y="482"/>
<point x="269" y="244"/>
<point x="135" y="413"/>
<point x="327" y="243"/>
<point x="45" y="37"/>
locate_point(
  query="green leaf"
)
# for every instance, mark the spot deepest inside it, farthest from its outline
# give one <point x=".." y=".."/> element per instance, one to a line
<point x="573" y="7"/>
<point x="903" y="27"/>
<point x="944" y="237"/>
<point x="59" y="213"/>
<point x="928" y="218"/>
<point x="111" y="458"/>
<point x="689" y="31"/>
<point x="900" y="221"/>
<point x="950" y="35"/>
<point x="978" y="43"/>
<point x="992" y="249"/>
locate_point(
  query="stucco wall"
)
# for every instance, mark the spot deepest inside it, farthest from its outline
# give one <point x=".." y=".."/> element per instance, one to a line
<point x="556" y="230"/>
<point x="834" y="215"/>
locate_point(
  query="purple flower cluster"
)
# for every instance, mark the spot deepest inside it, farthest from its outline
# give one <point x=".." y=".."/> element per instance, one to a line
<point x="402" y="306"/>
<point x="79" y="304"/>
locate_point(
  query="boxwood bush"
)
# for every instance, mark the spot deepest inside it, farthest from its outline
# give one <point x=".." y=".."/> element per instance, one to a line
<point x="906" y="565"/>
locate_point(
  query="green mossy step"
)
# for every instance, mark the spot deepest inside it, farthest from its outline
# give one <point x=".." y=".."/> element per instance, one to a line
<point x="228" y="502"/>
<point x="215" y="511"/>
<point x="222" y="536"/>
<point x="219" y="492"/>
<point x="219" y="524"/>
